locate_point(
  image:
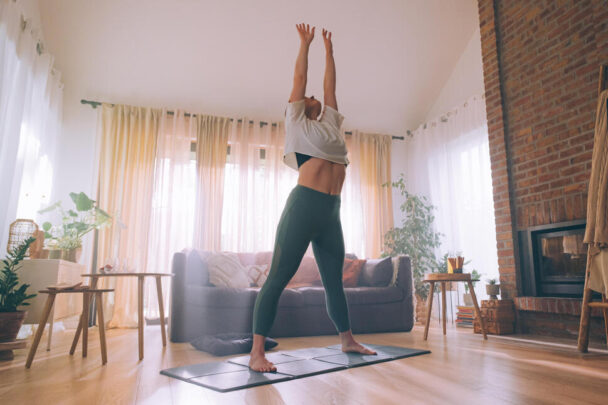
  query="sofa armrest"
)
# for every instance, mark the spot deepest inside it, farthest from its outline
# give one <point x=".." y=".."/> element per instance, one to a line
<point x="177" y="322"/>
<point x="403" y="273"/>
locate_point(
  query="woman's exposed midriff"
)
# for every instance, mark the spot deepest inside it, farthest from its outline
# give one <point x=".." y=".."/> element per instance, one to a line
<point x="322" y="175"/>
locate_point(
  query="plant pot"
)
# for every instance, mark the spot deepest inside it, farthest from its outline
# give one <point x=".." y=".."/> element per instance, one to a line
<point x="420" y="310"/>
<point x="467" y="299"/>
<point x="54" y="254"/>
<point x="493" y="290"/>
<point x="72" y="255"/>
<point x="10" y="323"/>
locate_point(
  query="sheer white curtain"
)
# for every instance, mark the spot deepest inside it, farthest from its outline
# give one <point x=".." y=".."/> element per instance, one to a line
<point x="173" y="201"/>
<point x="31" y="96"/>
<point x="449" y="162"/>
<point x="256" y="186"/>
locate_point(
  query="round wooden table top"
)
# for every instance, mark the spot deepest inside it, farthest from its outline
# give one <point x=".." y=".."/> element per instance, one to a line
<point x="447" y="277"/>
<point x="77" y="290"/>
<point x="128" y="274"/>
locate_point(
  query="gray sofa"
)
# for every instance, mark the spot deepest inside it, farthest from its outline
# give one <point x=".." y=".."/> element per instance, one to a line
<point x="376" y="304"/>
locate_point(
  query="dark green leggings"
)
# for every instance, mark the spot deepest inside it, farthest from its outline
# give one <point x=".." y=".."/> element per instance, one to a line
<point x="309" y="216"/>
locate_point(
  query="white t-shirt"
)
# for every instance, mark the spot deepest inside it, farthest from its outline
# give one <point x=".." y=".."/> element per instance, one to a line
<point x="320" y="139"/>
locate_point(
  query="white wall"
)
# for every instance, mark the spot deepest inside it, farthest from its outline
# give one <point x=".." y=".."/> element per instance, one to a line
<point x="466" y="79"/>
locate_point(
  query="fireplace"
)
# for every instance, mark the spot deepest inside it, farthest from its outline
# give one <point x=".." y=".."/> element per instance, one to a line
<point x="553" y="260"/>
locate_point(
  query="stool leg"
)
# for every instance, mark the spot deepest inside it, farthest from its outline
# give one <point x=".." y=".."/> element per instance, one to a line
<point x="45" y="316"/>
<point x="140" y="315"/>
<point x="85" y="323"/>
<point x="161" y="309"/>
<point x="76" y="336"/>
<point x="443" y="305"/>
<point x="428" y="310"/>
<point x="102" y="328"/>
<point x="477" y="311"/>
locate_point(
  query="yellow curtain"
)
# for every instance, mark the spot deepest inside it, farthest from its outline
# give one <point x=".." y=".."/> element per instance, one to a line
<point x="211" y="148"/>
<point x="126" y="176"/>
<point x="370" y="156"/>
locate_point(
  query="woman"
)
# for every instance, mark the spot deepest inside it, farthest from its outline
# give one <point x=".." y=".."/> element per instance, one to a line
<point x="312" y="212"/>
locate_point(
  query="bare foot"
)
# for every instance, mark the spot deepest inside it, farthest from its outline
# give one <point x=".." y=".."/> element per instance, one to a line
<point x="355" y="347"/>
<point x="258" y="362"/>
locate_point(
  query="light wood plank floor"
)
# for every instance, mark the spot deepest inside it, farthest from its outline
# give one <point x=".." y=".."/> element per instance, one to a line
<point x="462" y="369"/>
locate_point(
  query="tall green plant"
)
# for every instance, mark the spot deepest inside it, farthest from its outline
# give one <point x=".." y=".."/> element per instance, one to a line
<point x="12" y="296"/>
<point x="415" y="237"/>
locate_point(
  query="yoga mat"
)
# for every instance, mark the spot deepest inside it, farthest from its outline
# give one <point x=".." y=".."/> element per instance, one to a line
<point x="234" y="374"/>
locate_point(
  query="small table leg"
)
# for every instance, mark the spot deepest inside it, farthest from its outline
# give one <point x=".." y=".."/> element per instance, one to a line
<point x="51" y="323"/>
<point x="477" y="311"/>
<point x="428" y="310"/>
<point x="45" y="316"/>
<point x="443" y="305"/>
<point x="140" y="315"/>
<point x="85" y="322"/>
<point x="76" y="336"/>
<point x="161" y="309"/>
<point x="102" y="328"/>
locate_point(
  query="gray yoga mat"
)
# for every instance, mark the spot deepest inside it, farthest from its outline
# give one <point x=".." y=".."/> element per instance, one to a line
<point x="234" y="374"/>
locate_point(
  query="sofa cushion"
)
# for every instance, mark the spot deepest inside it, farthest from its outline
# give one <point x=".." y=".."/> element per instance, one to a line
<point x="196" y="265"/>
<point x="354" y="296"/>
<point x="226" y="297"/>
<point x="376" y="273"/>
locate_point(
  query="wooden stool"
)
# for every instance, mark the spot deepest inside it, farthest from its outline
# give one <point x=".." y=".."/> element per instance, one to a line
<point x="82" y="324"/>
<point x="443" y="278"/>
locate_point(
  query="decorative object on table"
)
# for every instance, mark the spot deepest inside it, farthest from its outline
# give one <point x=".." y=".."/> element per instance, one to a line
<point x="415" y="238"/>
<point x="224" y="344"/>
<point x="67" y="286"/>
<point x="493" y="289"/>
<point x="18" y="232"/>
<point x="87" y="294"/>
<point x="466" y="297"/>
<point x="499" y="317"/>
<point x="455" y="264"/>
<point x="75" y="223"/>
<point x="36" y="248"/>
<point x="12" y="296"/>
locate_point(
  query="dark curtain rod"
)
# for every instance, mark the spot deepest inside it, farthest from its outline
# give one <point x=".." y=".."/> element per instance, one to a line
<point x="95" y="104"/>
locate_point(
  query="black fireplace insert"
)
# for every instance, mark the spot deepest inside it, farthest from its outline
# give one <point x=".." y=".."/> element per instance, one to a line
<point x="553" y="260"/>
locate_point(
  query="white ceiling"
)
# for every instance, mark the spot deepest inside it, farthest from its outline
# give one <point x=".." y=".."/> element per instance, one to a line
<point x="236" y="58"/>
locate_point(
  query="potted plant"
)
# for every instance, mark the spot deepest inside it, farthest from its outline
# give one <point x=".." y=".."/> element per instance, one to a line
<point x="13" y="295"/>
<point x="467" y="297"/>
<point x="493" y="289"/>
<point x="75" y="223"/>
<point x="415" y="238"/>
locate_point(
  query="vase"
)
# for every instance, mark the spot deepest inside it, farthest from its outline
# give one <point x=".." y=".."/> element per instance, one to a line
<point x="493" y="290"/>
<point x="54" y="254"/>
<point x="71" y="255"/>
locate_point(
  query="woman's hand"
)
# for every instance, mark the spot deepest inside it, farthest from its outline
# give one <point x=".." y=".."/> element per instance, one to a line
<point x="306" y="34"/>
<point x="327" y="39"/>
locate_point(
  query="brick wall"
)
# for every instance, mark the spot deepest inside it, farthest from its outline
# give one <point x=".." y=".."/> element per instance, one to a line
<point x="541" y="61"/>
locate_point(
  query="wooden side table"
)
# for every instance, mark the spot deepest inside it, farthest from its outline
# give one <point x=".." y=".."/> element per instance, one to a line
<point x="140" y="302"/>
<point x="84" y="320"/>
<point x="443" y="278"/>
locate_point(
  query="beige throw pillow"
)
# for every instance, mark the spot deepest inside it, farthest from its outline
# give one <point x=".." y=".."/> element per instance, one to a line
<point x="226" y="270"/>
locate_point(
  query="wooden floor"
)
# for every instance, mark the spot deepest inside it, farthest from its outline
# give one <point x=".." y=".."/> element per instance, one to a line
<point x="462" y="369"/>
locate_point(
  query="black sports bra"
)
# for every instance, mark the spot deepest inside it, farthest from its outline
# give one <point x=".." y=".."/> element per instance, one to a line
<point x="301" y="158"/>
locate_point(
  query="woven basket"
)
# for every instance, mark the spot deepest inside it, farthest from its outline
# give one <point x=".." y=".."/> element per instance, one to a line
<point x="19" y="231"/>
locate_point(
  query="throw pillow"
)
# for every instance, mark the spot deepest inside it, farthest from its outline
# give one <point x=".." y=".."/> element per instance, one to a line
<point x="307" y="274"/>
<point x="224" y="344"/>
<point x="350" y="273"/>
<point x="226" y="270"/>
<point x="257" y="274"/>
<point x="376" y="273"/>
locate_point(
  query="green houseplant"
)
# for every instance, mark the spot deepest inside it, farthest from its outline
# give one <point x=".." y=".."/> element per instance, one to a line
<point x="492" y="289"/>
<point x="75" y="223"/>
<point x="466" y="297"/>
<point x="13" y="295"/>
<point x="415" y="238"/>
